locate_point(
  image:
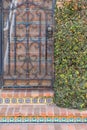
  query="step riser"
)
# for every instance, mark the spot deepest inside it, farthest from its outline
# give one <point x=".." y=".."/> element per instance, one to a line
<point x="26" y="93"/>
<point x="26" y="101"/>
<point x="26" y="97"/>
<point x="27" y="83"/>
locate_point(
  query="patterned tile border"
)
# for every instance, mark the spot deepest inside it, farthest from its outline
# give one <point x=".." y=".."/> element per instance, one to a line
<point x="41" y="119"/>
<point x="27" y="100"/>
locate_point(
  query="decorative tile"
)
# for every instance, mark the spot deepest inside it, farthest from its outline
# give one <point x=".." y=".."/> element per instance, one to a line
<point x="30" y="100"/>
<point x="35" y="100"/>
<point x="4" y="119"/>
<point x="1" y="100"/>
<point x="14" y="100"/>
<point x="42" y="100"/>
<point x="49" y="100"/>
<point x="19" y="119"/>
<point x="26" y="120"/>
<point x="78" y="120"/>
<point x="12" y="120"/>
<point x="71" y="120"/>
<point x="85" y="120"/>
<point x="20" y="100"/>
<point x="7" y="100"/>
<point x="41" y="120"/>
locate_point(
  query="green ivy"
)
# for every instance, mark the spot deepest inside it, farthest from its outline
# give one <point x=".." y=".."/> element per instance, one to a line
<point x="70" y="54"/>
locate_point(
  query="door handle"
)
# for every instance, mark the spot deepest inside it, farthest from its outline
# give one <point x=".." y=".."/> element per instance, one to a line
<point x="49" y="31"/>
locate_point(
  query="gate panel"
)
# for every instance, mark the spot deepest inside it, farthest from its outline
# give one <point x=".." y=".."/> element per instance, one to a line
<point x="28" y="43"/>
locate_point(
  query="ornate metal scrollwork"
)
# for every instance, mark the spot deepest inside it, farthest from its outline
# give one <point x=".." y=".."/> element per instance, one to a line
<point x="29" y="45"/>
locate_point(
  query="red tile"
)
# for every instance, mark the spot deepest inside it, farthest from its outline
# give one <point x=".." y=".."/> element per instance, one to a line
<point x="37" y="127"/>
<point x="57" y="111"/>
<point x="24" y="126"/>
<point x="31" y="127"/>
<point x="50" y="111"/>
<point x="52" y="127"/>
<point x="70" y="113"/>
<point x="45" y="127"/>
<point x="67" y="126"/>
<point x="70" y="127"/>
<point x="17" y="110"/>
<point x="36" y="111"/>
<point x="81" y="126"/>
<point x="10" y="111"/>
<point x="57" y="127"/>
<point x="3" y="111"/>
<point x="41" y="93"/>
<point x="3" y="94"/>
<point x="22" y="94"/>
<point x="16" y="94"/>
<point x="10" y="127"/>
<point x="35" y="93"/>
<point x="43" y="111"/>
<point x="28" y="94"/>
<point x="30" y="111"/>
<point x="63" y="112"/>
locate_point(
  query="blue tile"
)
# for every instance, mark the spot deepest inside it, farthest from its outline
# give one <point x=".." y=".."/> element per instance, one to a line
<point x="28" y="100"/>
<point x="1" y="100"/>
<point x="42" y="100"/>
<point x="20" y="100"/>
<point x="7" y="100"/>
<point x="14" y="100"/>
<point x="49" y="100"/>
<point x="34" y="100"/>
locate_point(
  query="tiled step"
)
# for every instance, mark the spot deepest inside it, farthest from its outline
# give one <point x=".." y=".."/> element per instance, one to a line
<point x="40" y="114"/>
<point x="39" y="108"/>
<point x="29" y="97"/>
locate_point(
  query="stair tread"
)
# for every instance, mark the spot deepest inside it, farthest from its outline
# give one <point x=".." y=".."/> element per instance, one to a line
<point x="40" y="110"/>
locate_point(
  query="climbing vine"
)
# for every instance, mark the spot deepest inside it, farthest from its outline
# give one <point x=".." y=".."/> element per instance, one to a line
<point x="70" y="54"/>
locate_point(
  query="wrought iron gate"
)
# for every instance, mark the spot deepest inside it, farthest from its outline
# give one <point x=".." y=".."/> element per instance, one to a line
<point x="26" y="43"/>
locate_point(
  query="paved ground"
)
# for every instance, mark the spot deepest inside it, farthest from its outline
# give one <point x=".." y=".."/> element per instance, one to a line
<point x="43" y="126"/>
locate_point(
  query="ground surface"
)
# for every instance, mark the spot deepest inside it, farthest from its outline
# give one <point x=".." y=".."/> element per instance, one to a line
<point x="43" y="126"/>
